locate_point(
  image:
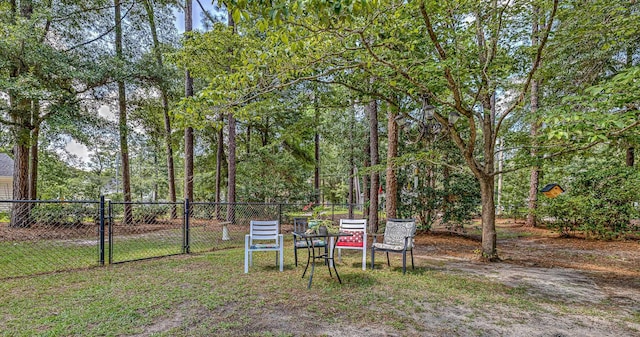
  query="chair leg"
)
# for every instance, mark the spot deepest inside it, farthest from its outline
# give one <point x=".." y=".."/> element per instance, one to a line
<point x="404" y="261"/>
<point x="373" y="257"/>
<point x="246" y="254"/>
<point x="295" y="254"/>
<point x="388" y="263"/>
<point x="246" y="261"/>
<point x="281" y="258"/>
<point x="412" y="266"/>
<point x="364" y="258"/>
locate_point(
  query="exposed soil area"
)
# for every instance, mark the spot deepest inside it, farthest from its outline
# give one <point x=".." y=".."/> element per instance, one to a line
<point x="545" y="264"/>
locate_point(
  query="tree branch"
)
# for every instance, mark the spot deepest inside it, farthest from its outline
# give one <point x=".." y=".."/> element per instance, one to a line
<point x="206" y="12"/>
<point x="101" y="35"/>
<point x="533" y="70"/>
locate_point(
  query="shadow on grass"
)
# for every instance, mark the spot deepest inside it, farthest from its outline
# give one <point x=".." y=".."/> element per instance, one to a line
<point x="358" y="280"/>
<point x="398" y="269"/>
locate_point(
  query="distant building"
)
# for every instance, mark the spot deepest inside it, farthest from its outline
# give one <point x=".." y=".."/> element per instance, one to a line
<point x="6" y="180"/>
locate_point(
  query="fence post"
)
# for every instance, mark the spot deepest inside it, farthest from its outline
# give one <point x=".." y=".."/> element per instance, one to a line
<point x="333" y="212"/>
<point x="185" y="232"/>
<point x="280" y="214"/>
<point x="110" y="219"/>
<point x="101" y="259"/>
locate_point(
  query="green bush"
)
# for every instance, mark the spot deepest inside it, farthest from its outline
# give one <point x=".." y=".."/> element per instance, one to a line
<point x="63" y="214"/>
<point x="598" y="202"/>
<point x="149" y="213"/>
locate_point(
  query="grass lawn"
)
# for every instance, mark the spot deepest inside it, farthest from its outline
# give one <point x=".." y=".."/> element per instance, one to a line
<point x="208" y="294"/>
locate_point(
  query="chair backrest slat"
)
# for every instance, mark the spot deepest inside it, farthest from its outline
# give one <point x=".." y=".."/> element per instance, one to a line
<point x="264" y="230"/>
<point x="353" y="224"/>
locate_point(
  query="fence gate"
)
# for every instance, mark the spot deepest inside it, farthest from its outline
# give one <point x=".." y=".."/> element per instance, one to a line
<point x="143" y="230"/>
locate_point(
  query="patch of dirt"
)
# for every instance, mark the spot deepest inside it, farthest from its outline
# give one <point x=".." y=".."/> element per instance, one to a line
<point x="599" y="274"/>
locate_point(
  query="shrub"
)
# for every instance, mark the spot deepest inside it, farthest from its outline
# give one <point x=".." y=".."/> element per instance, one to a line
<point x="598" y="202"/>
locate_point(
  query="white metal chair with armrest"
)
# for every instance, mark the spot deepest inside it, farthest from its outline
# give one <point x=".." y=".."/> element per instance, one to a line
<point x="398" y="238"/>
<point x="268" y="234"/>
<point x="357" y="227"/>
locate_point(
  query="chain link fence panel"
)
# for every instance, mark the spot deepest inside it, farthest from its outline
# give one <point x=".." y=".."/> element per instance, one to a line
<point x="46" y="236"/>
<point x="142" y="230"/>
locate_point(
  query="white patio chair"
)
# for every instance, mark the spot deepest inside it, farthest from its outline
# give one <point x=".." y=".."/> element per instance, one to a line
<point x="267" y="233"/>
<point x="357" y="227"/>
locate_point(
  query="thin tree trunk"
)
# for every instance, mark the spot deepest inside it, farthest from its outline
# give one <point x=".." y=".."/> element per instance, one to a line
<point x="392" y="154"/>
<point x="219" y="154"/>
<point x="231" y="178"/>
<point x="534" y="178"/>
<point x="231" y="172"/>
<point x="366" y="178"/>
<point x="33" y="166"/>
<point x="188" y="132"/>
<point x="122" y="122"/>
<point x="372" y="110"/>
<point x="171" y="177"/>
<point x="630" y="159"/>
<point x="500" y="175"/>
<point x="248" y="138"/>
<point x="352" y="177"/>
<point x="316" y="138"/>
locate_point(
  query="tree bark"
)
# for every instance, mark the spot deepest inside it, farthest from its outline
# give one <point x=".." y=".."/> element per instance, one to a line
<point x="188" y="132"/>
<point x="372" y="111"/>
<point x="231" y="171"/>
<point x="352" y="177"/>
<point x="171" y="177"/>
<point x="534" y="178"/>
<point x="316" y="142"/>
<point x="366" y="178"/>
<point x="231" y="178"/>
<point x="219" y="154"/>
<point x="122" y="121"/>
<point x="489" y="236"/>
<point x="20" y="110"/>
<point x="630" y="159"/>
<point x="392" y="154"/>
<point x="33" y="166"/>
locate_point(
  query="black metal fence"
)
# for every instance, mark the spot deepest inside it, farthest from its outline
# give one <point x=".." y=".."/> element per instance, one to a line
<point x="46" y="236"/>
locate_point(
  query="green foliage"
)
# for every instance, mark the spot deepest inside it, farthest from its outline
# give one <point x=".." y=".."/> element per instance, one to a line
<point x="149" y="213"/>
<point x="64" y="214"/>
<point x="599" y="200"/>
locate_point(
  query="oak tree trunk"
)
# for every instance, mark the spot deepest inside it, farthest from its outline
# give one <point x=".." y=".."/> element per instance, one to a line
<point x="489" y="236"/>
